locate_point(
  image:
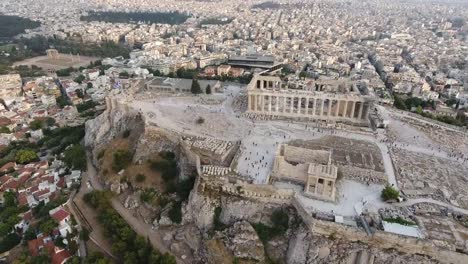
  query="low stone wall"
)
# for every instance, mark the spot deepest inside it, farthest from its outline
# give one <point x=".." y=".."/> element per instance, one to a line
<point x="380" y="239"/>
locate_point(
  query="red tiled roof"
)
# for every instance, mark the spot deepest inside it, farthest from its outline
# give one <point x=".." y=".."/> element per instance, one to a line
<point x="60" y="215"/>
<point x="40" y="193"/>
<point x="27" y="216"/>
<point x="60" y="257"/>
<point x="22" y="199"/>
<point x="61" y="182"/>
<point x="35" y="245"/>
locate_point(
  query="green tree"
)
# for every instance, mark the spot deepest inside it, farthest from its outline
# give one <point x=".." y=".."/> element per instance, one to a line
<point x="208" y="89"/>
<point x="4" y="130"/>
<point x="80" y="79"/>
<point x="121" y="159"/>
<point x="140" y="177"/>
<point x="124" y="74"/>
<point x="75" y="157"/>
<point x="89" y="85"/>
<point x="79" y="93"/>
<point x="302" y="74"/>
<point x="175" y="213"/>
<point x="46" y="226"/>
<point x="399" y="103"/>
<point x="389" y="193"/>
<point x="195" y="88"/>
<point x="36" y="124"/>
<point x="25" y="156"/>
<point x="50" y="121"/>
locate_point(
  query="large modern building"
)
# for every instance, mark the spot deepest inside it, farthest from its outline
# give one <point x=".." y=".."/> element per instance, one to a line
<point x="323" y="100"/>
<point x="175" y="85"/>
<point x="255" y="61"/>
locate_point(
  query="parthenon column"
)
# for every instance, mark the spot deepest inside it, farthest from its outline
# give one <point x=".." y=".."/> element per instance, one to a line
<point x="277" y="103"/>
<point x="330" y="102"/>
<point x="299" y="105"/>
<point x="284" y="104"/>
<point x="258" y="102"/>
<point x="254" y="102"/>
<point x="353" y="108"/>
<point x="322" y="105"/>
<point x="262" y="99"/>
<point x="360" y="110"/>
<point x="307" y="106"/>
<point x="292" y="105"/>
<point x="345" y="109"/>
<point x="269" y="103"/>
<point x="337" y="111"/>
<point x="314" y="107"/>
<point x="249" y="102"/>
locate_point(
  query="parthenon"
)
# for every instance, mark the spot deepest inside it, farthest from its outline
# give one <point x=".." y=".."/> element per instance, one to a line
<point x="326" y="100"/>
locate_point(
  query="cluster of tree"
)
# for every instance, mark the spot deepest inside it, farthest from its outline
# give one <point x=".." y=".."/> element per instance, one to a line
<point x="86" y="106"/>
<point x="121" y="159"/>
<point x="39" y="44"/>
<point x="280" y="221"/>
<point x="267" y="5"/>
<point x="25" y="156"/>
<point x="215" y="21"/>
<point x="11" y="26"/>
<point x="75" y="157"/>
<point x="80" y="79"/>
<point x="65" y="72"/>
<point x="9" y="211"/>
<point x="127" y="246"/>
<point x="42" y="123"/>
<point x="389" y="193"/>
<point x="4" y="130"/>
<point x="62" y="101"/>
<point x="26" y="71"/>
<point x="172" y="18"/>
<point x="8" y="154"/>
<point x="419" y="104"/>
<point x="60" y="138"/>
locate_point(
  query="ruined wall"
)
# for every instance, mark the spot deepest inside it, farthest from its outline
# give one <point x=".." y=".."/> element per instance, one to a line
<point x="287" y="171"/>
<point x="380" y="239"/>
<point x="362" y="175"/>
<point x="303" y="155"/>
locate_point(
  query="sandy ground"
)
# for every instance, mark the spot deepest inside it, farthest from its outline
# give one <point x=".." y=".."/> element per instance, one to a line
<point x="63" y="62"/>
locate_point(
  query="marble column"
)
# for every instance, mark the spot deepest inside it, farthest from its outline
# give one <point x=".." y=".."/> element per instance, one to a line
<point x="292" y="105"/>
<point x="322" y="105"/>
<point x="314" y="107"/>
<point x="307" y="106"/>
<point x="269" y="103"/>
<point x="277" y="103"/>
<point x="284" y="104"/>
<point x="337" y="111"/>
<point x="330" y="102"/>
<point x="360" y="110"/>
<point x="299" y="105"/>
<point x="345" y="114"/>
<point x="353" y="108"/>
<point x="249" y="102"/>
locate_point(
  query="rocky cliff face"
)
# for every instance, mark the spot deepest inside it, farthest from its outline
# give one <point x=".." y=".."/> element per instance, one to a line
<point x="112" y="122"/>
